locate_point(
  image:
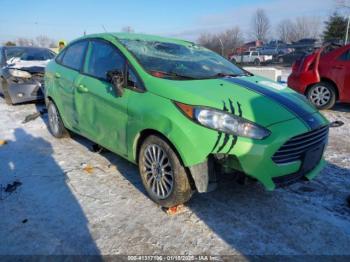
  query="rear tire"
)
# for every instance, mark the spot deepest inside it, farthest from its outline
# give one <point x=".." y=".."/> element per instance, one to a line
<point x="233" y="61"/>
<point x="322" y="95"/>
<point x="163" y="176"/>
<point x="55" y="125"/>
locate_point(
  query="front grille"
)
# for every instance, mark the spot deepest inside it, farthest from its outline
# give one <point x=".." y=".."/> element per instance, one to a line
<point x="295" y="148"/>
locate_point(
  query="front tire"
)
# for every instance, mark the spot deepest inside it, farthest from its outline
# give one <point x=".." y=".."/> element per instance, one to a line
<point x="257" y="62"/>
<point x="163" y="176"/>
<point x="55" y="125"/>
<point x="322" y="95"/>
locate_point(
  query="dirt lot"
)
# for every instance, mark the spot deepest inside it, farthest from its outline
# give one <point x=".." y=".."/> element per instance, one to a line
<point x="74" y="201"/>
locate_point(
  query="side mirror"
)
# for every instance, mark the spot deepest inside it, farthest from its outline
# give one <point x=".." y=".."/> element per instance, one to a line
<point x="117" y="79"/>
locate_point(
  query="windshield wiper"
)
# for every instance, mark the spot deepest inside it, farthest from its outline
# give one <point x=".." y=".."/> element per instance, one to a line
<point x="172" y="74"/>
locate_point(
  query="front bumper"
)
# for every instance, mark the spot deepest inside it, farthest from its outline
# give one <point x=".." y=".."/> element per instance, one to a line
<point x="27" y="90"/>
<point x="255" y="157"/>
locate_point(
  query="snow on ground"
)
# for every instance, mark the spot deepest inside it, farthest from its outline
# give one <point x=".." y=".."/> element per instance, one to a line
<point x="60" y="208"/>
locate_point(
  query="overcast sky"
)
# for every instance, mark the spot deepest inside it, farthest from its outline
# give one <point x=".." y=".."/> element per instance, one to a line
<point x="68" y="19"/>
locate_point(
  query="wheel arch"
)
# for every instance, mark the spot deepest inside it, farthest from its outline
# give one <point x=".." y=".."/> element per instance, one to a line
<point x="326" y="80"/>
<point x="141" y="137"/>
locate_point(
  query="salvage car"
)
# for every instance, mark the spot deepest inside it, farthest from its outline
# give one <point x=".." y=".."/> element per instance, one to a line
<point x="182" y="113"/>
<point x="251" y="57"/>
<point x="290" y="58"/>
<point x="22" y="73"/>
<point x="323" y="76"/>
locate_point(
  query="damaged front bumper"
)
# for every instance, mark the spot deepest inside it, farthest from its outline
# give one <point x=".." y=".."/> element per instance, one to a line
<point x="274" y="162"/>
<point x="24" y="90"/>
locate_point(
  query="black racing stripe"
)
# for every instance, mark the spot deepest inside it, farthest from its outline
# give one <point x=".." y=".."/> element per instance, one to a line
<point x="285" y="101"/>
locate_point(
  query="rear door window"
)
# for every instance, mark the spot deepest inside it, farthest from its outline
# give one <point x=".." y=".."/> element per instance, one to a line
<point x="74" y="55"/>
<point x="103" y="57"/>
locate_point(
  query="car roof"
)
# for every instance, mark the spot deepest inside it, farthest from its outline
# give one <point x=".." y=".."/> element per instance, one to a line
<point x="142" y="37"/>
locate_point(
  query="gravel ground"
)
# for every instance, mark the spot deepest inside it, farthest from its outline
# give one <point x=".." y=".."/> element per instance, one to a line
<point x="70" y="200"/>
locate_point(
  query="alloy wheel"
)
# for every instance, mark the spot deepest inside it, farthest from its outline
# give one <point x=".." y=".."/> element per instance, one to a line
<point x="159" y="171"/>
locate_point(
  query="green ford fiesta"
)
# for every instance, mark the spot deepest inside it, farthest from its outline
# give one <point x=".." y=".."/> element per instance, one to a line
<point x="182" y="113"/>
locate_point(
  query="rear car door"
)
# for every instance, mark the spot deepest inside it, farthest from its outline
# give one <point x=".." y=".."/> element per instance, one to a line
<point x="245" y="57"/>
<point x="340" y="74"/>
<point x="71" y="62"/>
<point x="253" y="56"/>
<point x="102" y="114"/>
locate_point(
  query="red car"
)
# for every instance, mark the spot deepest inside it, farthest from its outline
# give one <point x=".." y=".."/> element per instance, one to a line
<point x="324" y="76"/>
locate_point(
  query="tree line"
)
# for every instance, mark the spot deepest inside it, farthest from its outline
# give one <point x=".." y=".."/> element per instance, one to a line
<point x="40" y="41"/>
<point x="287" y="30"/>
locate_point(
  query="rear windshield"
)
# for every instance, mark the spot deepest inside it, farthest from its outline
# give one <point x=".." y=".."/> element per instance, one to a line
<point x="29" y="54"/>
<point x="189" y="61"/>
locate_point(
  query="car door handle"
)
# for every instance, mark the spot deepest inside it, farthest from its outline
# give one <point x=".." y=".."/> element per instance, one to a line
<point x="82" y="89"/>
<point x="57" y="75"/>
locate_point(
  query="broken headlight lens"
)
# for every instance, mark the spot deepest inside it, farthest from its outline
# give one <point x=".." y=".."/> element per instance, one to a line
<point x="224" y="122"/>
<point x="19" y="73"/>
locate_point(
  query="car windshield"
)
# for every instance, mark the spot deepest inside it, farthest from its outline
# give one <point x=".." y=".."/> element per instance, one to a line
<point x="179" y="61"/>
<point x="29" y="54"/>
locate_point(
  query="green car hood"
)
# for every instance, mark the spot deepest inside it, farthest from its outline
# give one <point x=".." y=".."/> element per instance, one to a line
<point x="257" y="99"/>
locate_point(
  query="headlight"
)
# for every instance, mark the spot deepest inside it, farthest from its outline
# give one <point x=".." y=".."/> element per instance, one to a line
<point x="19" y="73"/>
<point x="224" y="122"/>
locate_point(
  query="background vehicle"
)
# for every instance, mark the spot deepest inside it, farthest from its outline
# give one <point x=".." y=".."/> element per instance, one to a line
<point x="21" y="73"/>
<point x="251" y="57"/>
<point x="179" y="110"/>
<point x="323" y="76"/>
<point x="291" y="57"/>
<point x="274" y="48"/>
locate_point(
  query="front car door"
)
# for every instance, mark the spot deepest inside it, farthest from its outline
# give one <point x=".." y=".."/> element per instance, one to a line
<point x="102" y="115"/>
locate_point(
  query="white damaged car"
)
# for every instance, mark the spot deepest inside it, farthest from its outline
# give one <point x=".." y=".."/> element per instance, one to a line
<point x="22" y="73"/>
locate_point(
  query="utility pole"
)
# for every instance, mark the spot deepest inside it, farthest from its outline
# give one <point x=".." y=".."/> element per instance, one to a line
<point x="347" y="31"/>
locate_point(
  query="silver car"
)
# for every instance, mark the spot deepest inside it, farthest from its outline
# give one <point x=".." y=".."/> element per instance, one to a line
<point x="22" y="73"/>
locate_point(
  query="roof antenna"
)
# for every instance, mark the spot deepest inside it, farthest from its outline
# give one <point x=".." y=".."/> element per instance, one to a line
<point x="104" y="28"/>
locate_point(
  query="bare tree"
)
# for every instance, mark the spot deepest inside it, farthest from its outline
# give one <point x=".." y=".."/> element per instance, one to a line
<point x="260" y="25"/>
<point x="44" y="41"/>
<point x="306" y="27"/>
<point x="302" y="27"/>
<point x="285" y="30"/>
<point x="223" y="43"/>
<point x="21" y="41"/>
